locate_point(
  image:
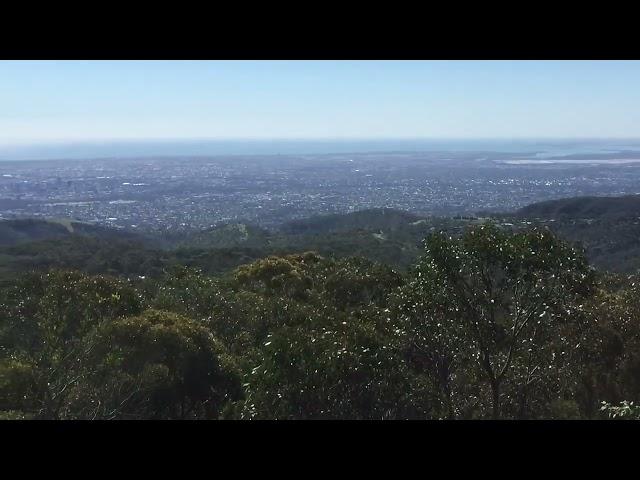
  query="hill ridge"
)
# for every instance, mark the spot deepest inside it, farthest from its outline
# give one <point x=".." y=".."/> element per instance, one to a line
<point x="585" y="207"/>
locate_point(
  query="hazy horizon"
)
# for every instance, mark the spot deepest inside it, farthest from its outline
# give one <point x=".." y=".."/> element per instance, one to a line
<point x="295" y="146"/>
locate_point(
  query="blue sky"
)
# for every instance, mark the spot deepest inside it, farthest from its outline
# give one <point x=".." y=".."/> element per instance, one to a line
<point x="103" y="100"/>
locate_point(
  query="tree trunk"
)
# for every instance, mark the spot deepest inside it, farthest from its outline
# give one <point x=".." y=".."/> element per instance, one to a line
<point x="444" y="379"/>
<point x="495" y="389"/>
<point x="523" y="404"/>
<point x="450" y="412"/>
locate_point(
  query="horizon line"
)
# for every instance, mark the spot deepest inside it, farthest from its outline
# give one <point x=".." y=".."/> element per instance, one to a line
<point x="47" y="142"/>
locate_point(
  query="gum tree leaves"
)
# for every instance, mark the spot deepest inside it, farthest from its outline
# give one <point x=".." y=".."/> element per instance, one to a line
<point x="494" y="301"/>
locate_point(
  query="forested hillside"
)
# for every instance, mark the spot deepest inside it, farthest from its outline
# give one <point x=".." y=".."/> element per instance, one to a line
<point x="585" y="207"/>
<point x="489" y="324"/>
<point x="17" y="231"/>
<point x="374" y="315"/>
<point x="392" y="237"/>
<point x="607" y="227"/>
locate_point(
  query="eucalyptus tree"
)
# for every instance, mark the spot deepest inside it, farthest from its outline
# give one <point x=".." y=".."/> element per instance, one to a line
<point x="493" y="306"/>
<point x="50" y="324"/>
<point x="159" y="365"/>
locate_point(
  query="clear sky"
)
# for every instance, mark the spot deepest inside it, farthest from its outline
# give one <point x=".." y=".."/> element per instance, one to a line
<point x="98" y="100"/>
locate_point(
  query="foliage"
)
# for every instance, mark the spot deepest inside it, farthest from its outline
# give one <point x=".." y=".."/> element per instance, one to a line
<point x="498" y="304"/>
<point x="160" y="365"/>
<point x="611" y="364"/>
<point x="625" y="411"/>
<point x="326" y="369"/>
<point x="49" y="329"/>
<point x="489" y="323"/>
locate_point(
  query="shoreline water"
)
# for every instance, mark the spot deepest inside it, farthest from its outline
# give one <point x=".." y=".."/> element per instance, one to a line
<point x="533" y="149"/>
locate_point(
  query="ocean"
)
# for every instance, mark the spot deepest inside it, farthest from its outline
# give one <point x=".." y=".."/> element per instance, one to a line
<point x="541" y="148"/>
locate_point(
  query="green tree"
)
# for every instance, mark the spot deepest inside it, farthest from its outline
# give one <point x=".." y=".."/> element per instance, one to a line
<point x="287" y="275"/>
<point x="625" y="411"/>
<point x="611" y="359"/>
<point x="186" y="291"/>
<point x="497" y="302"/>
<point x="318" y="345"/>
<point x="160" y="365"/>
<point x="330" y="367"/>
<point x="354" y="282"/>
<point x="49" y="331"/>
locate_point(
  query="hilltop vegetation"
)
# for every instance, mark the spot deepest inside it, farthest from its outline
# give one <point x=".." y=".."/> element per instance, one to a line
<point x="370" y="220"/>
<point x="374" y="315"/>
<point x="611" y="240"/>
<point x="487" y="324"/>
<point x="13" y="232"/>
<point x="608" y="228"/>
<point x="388" y="236"/>
<point x="25" y="230"/>
<point x="226" y="236"/>
<point x="612" y="208"/>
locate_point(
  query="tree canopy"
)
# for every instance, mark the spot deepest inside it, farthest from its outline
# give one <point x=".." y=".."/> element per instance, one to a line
<point x="486" y="324"/>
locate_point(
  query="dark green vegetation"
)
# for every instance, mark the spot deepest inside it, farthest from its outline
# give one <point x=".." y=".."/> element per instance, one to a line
<point x="483" y="319"/>
<point x="607" y="227"/>
<point x="586" y="207"/>
<point x="13" y="232"/>
<point x="387" y="236"/>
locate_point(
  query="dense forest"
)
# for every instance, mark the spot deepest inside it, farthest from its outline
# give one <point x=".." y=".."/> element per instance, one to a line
<point x="377" y="315"/>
